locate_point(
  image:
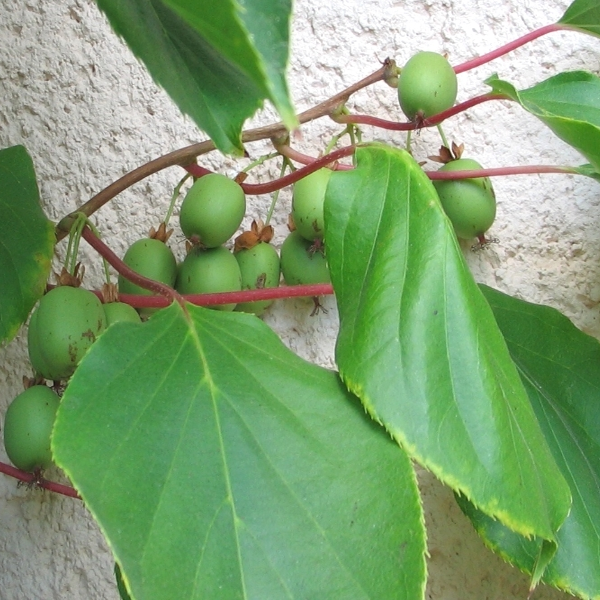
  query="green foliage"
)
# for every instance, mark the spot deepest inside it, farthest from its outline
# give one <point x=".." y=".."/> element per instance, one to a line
<point x="558" y="365"/>
<point x="27" y="241"/>
<point x="583" y="15"/>
<point x="412" y="325"/>
<point x="254" y="35"/>
<point x="568" y="104"/>
<point x="221" y="465"/>
<point x="207" y="59"/>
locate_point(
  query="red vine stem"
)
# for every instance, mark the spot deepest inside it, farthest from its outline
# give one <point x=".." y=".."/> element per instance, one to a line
<point x="275" y="293"/>
<point x="277" y="184"/>
<point x="528" y="37"/>
<point x="498" y="171"/>
<point x="33" y="479"/>
<point x="290" y="178"/>
<point x="429" y="122"/>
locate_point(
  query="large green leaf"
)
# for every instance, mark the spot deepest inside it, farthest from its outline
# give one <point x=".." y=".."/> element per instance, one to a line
<point x="568" y="103"/>
<point x="253" y="34"/>
<point x="583" y="15"/>
<point x="560" y="368"/>
<point x="218" y="88"/>
<point x="419" y="345"/>
<point x="26" y="241"/>
<point x="220" y="465"/>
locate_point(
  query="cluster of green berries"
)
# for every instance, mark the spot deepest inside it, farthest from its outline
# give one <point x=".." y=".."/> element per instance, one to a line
<point x="211" y="212"/>
<point x="66" y="322"/>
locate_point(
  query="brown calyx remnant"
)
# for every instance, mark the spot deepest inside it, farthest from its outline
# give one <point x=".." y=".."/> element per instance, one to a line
<point x="110" y="293"/>
<point x="446" y="155"/>
<point x="73" y="280"/>
<point x="161" y="233"/>
<point x="259" y="232"/>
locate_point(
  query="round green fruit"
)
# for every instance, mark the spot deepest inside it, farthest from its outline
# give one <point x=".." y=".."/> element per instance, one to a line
<point x="469" y="203"/>
<point x="209" y="271"/>
<point x="259" y="268"/>
<point x="151" y="258"/>
<point x="307" y="204"/>
<point x="427" y="85"/>
<point x="36" y="357"/>
<point x="212" y="210"/>
<point x="67" y="323"/>
<point x="301" y="263"/>
<point x="120" y="311"/>
<point x="28" y="427"/>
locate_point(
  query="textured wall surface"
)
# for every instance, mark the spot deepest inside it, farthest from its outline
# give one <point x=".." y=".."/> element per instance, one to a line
<point x="87" y="112"/>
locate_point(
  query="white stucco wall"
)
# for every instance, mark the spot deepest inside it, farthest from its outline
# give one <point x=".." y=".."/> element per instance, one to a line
<point x="88" y="112"/>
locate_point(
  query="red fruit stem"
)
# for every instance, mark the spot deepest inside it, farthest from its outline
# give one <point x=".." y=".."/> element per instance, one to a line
<point x="276" y="293"/>
<point x="312" y="164"/>
<point x="429" y="122"/>
<point x="529" y="37"/>
<point x="497" y="171"/>
<point x="305" y="159"/>
<point x="290" y="178"/>
<point x="33" y="479"/>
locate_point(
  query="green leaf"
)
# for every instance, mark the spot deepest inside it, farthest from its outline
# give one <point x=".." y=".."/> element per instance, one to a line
<point x="568" y="103"/>
<point x="583" y="15"/>
<point x="252" y="34"/>
<point x="26" y="241"/>
<point x="419" y="345"/>
<point x="587" y="171"/>
<point x="559" y="368"/>
<point x="218" y="89"/>
<point x="220" y="465"/>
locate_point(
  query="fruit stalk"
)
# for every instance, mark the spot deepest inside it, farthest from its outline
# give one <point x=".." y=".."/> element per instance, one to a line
<point x="499" y="171"/>
<point x="33" y="479"/>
